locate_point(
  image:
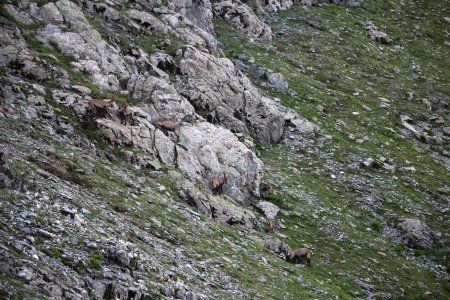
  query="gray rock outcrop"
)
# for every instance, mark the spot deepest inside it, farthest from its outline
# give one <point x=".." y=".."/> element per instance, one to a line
<point x="351" y="3"/>
<point x="269" y="209"/>
<point x="214" y="151"/>
<point x="228" y="96"/>
<point x="203" y="152"/>
<point x="93" y="55"/>
<point x="416" y="233"/>
<point x="276" y="5"/>
<point x="242" y="16"/>
<point x="224" y="210"/>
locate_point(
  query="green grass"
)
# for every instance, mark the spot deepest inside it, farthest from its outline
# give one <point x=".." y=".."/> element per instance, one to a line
<point x="340" y="59"/>
<point x="96" y="260"/>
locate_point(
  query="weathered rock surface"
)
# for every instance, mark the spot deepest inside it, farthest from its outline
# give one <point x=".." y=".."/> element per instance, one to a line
<point x="213" y="152"/>
<point x="277" y="81"/>
<point x="93" y="55"/>
<point x="243" y="17"/>
<point x="276" y="245"/>
<point x="225" y="91"/>
<point x="147" y="20"/>
<point x="304" y="126"/>
<point x="224" y="210"/>
<point x="416" y="234"/>
<point x="276" y="5"/>
<point x="203" y="151"/>
<point x="160" y="99"/>
<point x="269" y="209"/>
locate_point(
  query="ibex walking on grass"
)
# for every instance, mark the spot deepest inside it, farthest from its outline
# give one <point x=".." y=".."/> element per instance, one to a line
<point x="296" y="255"/>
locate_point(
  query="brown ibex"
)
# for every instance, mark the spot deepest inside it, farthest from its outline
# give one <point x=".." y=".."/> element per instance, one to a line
<point x="99" y="107"/>
<point x="126" y="113"/>
<point x="272" y="225"/>
<point x="169" y="125"/>
<point x="267" y="189"/>
<point x="217" y="183"/>
<point x="296" y="255"/>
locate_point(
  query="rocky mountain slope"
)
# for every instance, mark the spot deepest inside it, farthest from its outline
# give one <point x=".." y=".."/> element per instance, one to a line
<point x="146" y="145"/>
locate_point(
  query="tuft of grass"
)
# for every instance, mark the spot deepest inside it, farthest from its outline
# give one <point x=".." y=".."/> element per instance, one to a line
<point x="376" y="225"/>
<point x="275" y="198"/>
<point x="40" y="219"/>
<point x="96" y="260"/>
<point x="400" y="247"/>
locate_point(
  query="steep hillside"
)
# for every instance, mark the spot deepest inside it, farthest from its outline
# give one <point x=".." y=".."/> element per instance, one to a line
<point x="146" y="145"/>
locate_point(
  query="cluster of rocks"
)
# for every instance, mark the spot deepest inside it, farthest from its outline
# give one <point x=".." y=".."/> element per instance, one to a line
<point x="375" y="34"/>
<point x="426" y="132"/>
<point x="228" y="97"/>
<point x="276" y="5"/>
<point x="68" y="252"/>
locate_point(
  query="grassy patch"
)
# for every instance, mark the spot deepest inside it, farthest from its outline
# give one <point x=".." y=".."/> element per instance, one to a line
<point x="96" y="260"/>
<point x="328" y="60"/>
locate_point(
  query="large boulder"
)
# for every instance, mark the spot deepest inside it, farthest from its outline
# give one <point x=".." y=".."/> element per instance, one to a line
<point x="277" y="81"/>
<point x="222" y="209"/>
<point x="215" y="152"/>
<point x="275" y="245"/>
<point x="269" y="209"/>
<point x="243" y="17"/>
<point x="200" y="13"/>
<point x="203" y="152"/>
<point x="160" y="98"/>
<point x="219" y="91"/>
<point x="192" y="22"/>
<point x="416" y="233"/>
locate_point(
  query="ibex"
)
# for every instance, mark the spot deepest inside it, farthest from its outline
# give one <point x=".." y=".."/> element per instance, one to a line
<point x="98" y="107"/>
<point x="272" y="225"/>
<point x="126" y="113"/>
<point x="267" y="189"/>
<point x="217" y="183"/>
<point x="296" y="255"/>
<point x="169" y="125"/>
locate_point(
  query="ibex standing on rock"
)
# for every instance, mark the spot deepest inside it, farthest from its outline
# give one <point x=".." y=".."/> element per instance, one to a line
<point x="169" y="125"/>
<point x="126" y="113"/>
<point x="296" y="255"/>
<point x="217" y="183"/>
<point x="99" y="107"/>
